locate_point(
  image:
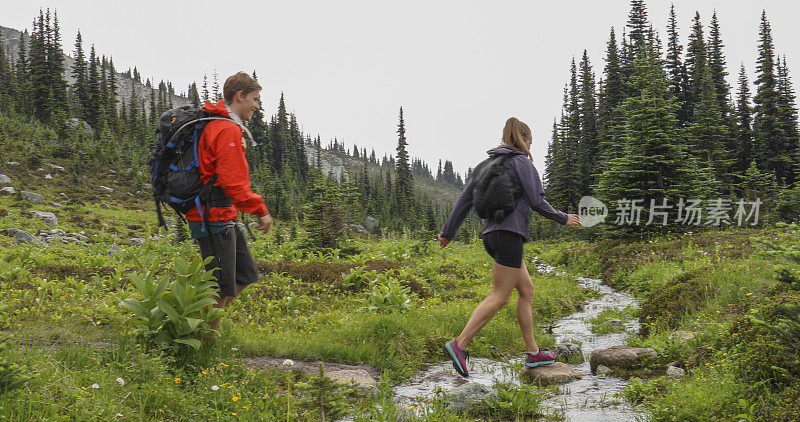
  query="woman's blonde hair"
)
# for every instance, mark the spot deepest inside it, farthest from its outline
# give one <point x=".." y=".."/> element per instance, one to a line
<point x="517" y="135"/>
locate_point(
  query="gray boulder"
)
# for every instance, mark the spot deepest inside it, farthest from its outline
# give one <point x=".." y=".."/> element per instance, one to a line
<point x="48" y="217"/>
<point x="80" y="124"/>
<point x="4" y="179"/>
<point x="21" y="236"/>
<point x="106" y="188"/>
<point x="569" y="353"/>
<point x="8" y="190"/>
<point x="370" y="223"/>
<point x="620" y="357"/>
<point x="469" y="395"/>
<point x="53" y="166"/>
<point x="675" y="372"/>
<point x="32" y="197"/>
<point x="48" y="176"/>
<point x="554" y="373"/>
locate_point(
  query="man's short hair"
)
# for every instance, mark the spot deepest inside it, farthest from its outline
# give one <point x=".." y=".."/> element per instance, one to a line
<point x="239" y="82"/>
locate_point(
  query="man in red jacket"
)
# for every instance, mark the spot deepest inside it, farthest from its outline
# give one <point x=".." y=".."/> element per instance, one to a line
<point x="221" y="153"/>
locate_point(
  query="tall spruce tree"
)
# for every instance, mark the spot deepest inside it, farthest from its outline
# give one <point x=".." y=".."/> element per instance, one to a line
<point x="676" y="71"/>
<point x="744" y="129"/>
<point x="79" y="73"/>
<point x="612" y="93"/>
<point x="404" y="181"/>
<point x="23" y="101"/>
<point x="588" y="117"/>
<point x="710" y="135"/>
<point x="787" y="107"/>
<point x="770" y="151"/>
<point x="695" y="63"/>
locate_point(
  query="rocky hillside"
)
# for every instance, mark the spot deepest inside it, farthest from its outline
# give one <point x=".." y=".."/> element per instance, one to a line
<point x="11" y="42"/>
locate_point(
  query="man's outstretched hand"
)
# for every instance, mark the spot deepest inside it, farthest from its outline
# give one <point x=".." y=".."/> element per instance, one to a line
<point x="442" y="241"/>
<point x="573" y="220"/>
<point x="264" y="223"/>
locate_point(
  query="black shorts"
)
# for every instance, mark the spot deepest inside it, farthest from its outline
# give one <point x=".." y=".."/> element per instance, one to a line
<point x="232" y="256"/>
<point x="505" y="247"/>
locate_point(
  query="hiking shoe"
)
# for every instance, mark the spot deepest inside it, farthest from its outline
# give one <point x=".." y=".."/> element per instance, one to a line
<point x="459" y="357"/>
<point x="541" y="358"/>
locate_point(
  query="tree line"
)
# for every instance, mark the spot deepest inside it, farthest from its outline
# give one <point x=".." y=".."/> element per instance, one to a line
<point x="662" y="123"/>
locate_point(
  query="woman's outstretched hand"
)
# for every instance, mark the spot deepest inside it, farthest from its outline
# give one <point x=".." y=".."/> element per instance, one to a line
<point x="573" y="220"/>
<point x="442" y="241"/>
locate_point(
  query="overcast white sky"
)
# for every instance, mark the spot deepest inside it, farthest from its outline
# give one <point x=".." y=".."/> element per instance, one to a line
<point x="458" y="68"/>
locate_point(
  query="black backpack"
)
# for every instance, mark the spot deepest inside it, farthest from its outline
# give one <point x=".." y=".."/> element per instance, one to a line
<point x="174" y="164"/>
<point x="496" y="190"/>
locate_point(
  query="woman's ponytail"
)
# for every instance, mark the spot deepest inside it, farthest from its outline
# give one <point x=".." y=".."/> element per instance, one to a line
<point x="517" y="135"/>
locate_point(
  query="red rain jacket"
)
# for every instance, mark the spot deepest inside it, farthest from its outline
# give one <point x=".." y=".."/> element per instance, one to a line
<point x="221" y="152"/>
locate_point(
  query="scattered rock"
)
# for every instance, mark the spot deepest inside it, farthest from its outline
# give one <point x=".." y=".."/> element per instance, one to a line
<point x="371" y="223"/>
<point x="169" y="221"/>
<point x="114" y="250"/>
<point x="556" y="372"/>
<point x="358" y="228"/>
<point x="80" y="124"/>
<point x="4" y="179"/>
<point x="105" y="206"/>
<point x="623" y="357"/>
<point x="674" y="371"/>
<point x="48" y="176"/>
<point x="48" y="236"/>
<point x="603" y="370"/>
<point x="32" y="197"/>
<point x="12" y="163"/>
<point x="681" y="335"/>
<point x="106" y="188"/>
<point x="21" y="236"/>
<point x="136" y="241"/>
<point x="8" y="190"/>
<point x="365" y="382"/>
<point x="467" y="396"/>
<point x="48" y="217"/>
<point x="55" y="166"/>
<point x="569" y="353"/>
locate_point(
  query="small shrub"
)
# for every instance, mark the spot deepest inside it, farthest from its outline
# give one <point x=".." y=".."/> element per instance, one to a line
<point x="174" y="316"/>
<point x="666" y="304"/>
<point x="387" y="296"/>
<point x="12" y="375"/>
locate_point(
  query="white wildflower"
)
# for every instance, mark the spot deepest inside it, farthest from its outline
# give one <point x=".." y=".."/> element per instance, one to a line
<point x="288" y="362"/>
<point x="120" y="381"/>
<point x="95" y="386"/>
<point x="214" y="387"/>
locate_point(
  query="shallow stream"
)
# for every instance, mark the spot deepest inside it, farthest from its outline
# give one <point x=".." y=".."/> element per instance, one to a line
<point x="591" y="398"/>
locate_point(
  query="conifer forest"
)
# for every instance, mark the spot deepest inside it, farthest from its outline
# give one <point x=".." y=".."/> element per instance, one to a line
<point x="676" y="298"/>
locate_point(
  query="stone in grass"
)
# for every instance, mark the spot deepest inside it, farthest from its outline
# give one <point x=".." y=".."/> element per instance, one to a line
<point x="554" y="373"/>
<point x="469" y="396"/>
<point x="32" y="197"/>
<point x="8" y="190"/>
<point x="48" y="217"/>
<point x="21" y="236"/>
<point x="569" y="353"/>
<point x="4" y="179"/>
<point x="620" y="357"/>
<point x="681" y="335"/>
<point x="106" y="188"/>
<point x="136" y="241"/>
<point x="675" y="371"/>
<point x="363" y="380"/>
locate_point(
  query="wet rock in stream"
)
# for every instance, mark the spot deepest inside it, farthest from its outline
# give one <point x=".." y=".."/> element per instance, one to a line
<point x="554" y="373"/>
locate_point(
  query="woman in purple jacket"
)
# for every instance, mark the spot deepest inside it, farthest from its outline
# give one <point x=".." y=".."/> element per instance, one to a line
<point x="503" y="241"/>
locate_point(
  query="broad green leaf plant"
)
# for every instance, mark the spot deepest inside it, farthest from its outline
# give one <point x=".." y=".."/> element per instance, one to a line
<point x="175" y="315"/>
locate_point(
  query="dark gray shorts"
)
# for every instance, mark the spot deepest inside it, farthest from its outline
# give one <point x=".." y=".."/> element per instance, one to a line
<point x="232" y="256"/>
<point x="505" y="247"/>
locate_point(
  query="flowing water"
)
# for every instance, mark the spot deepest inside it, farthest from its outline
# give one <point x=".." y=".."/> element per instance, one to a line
<point x="591" y="398"/>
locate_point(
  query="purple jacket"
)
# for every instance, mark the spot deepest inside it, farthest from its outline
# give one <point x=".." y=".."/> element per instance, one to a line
<point x="518" y="220"/>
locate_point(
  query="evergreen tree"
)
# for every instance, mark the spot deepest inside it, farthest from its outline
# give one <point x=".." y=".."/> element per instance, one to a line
<point x="194" y="96"/>
<point x="79" y="73"/>
<point x="6" y="81"/>
<point x="744" y="130"/>
<point x="654" y="164"/>
<point x="676" y="71"/>
<point x="612" y="93"/>
<point x="695" y="63"/>
<point x="709" y="135"/>
<point x="205" y="88"/>
<point x="717" y="65"/>
<point x="769" y="150"/>
<point x="40" y="84"/>
<point x="111" y="108"/>
<point x="55" y="66"/>
<point x="23" y="101"/>
<point x="439" y="172"/>
<point x="787" y="108"/>
<point x="588" y="116"/>
<point x="638" y="25"/>
<point x="404" y="182"/>
<point x="215" y="93"/>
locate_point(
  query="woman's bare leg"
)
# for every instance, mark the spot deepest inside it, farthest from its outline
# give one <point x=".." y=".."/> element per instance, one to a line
<point x="524" y="304"/>
<point x="504" y="279"/>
